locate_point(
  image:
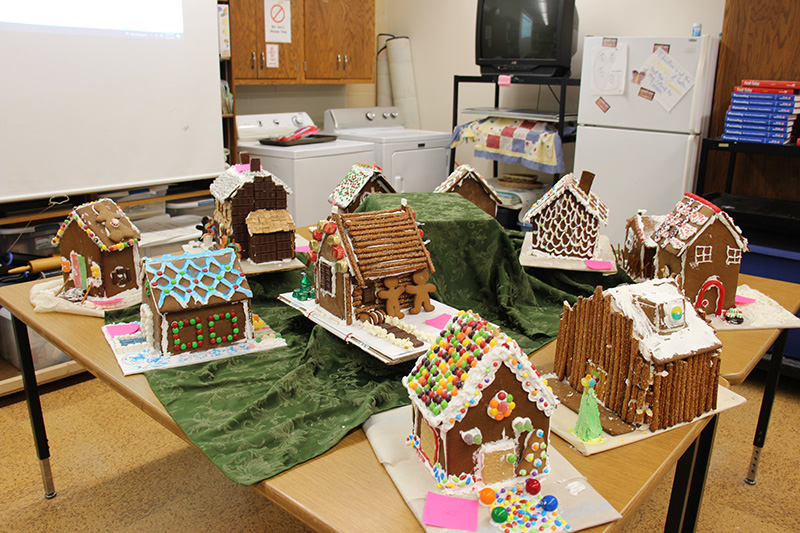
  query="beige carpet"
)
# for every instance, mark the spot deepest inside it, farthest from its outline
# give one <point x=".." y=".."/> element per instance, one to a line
<point x="117" y="470"/>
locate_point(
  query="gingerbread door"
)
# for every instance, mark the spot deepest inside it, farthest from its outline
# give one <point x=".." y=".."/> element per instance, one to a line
<point x="711" y="296"/>
<point x="498" y="462"/>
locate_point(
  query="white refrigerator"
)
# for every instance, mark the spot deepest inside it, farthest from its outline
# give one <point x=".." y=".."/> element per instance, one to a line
<point x="644" y="108"/>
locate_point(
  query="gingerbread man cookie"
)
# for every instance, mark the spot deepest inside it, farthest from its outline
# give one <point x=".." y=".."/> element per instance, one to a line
<point x="111" y="219"/>
<point x="421" y="291"/>
<point x="392" y="296"/>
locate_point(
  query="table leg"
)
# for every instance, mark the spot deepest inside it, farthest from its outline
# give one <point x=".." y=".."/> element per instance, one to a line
<point x="34" y="405"/>
<point x="689" y="482"/>
<point x="767" y="400"/>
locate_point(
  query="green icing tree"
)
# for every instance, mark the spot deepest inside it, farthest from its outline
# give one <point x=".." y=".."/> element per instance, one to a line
<point x="588" y="425"/>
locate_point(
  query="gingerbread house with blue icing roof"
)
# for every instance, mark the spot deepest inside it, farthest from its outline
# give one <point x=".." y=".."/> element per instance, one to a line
<point x="360" y="183"/>
<point x="565" y="222"/>
<point x="99" y="250"/>
<point x="195" y="301"/>
<point x="481" y="411"/>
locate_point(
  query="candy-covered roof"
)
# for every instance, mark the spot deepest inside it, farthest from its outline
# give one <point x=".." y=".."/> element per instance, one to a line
<point x="104" y="223"/>
<point x="379" y="244"/>
<point x="690" y="218"/>
<point x="569" y="184"/>
<point x="695" y="337"/>
<point x="229" y="182"/>
<point x="451" y="376"/>
<point x="194" y="280"/>
<point x="350" y="187"/>
<point x="464" y="172"/>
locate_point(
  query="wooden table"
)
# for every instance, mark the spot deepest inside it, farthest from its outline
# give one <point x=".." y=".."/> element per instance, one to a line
<point x="347" y="488"/>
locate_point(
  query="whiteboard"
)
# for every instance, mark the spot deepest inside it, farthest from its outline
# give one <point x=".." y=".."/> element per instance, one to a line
<point x="105" y="101"/>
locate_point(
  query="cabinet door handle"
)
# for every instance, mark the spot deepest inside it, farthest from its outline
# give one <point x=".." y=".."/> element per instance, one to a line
<point x="338" y="61"/>
<point x="253" y="60"/>
<point x="263" y="60"/>
<point x="345" y="61"/>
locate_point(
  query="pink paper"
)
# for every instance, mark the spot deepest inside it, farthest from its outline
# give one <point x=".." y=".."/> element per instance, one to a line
<point x="303" y="249"/>
<point x="744" y="300"/>
<point x="122" y="329"/>
<point x="439" y="322"/>
<point x="504" y="80"/>
<point x="451" y="512"/>
<point x="599" y="265"/>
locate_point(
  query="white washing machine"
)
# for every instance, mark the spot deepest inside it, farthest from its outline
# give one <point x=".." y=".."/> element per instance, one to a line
<point x="412" y="160"/>
<point x="311" y="170"/>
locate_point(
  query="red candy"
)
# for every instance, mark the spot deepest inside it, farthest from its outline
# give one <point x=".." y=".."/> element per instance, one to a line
<point x="532" y="486"/>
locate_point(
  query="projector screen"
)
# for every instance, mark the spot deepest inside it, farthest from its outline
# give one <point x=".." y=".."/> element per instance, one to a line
<point x="98" y="95"/>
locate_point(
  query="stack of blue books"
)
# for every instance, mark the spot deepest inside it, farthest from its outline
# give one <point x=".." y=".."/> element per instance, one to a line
<point x="763" y="111"/>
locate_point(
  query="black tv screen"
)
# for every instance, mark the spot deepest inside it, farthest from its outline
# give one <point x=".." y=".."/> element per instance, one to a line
<point x="533" y="36"/>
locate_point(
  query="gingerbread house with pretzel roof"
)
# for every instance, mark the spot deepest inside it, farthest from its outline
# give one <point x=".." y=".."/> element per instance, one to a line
<point x="99" y="249"/>
<point x="360" y="183"/>
<point x="490" y="425"/>
<point x="565" y="222"/>
<point x="195" y="301"/>
<point x="358" y="256"/>
<point x="468" y="182"/>
<point x="700" y="245"/>
<point x="251" y="213"/>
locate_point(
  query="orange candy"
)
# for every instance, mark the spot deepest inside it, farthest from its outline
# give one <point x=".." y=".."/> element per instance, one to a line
<point x="487" y="496"/>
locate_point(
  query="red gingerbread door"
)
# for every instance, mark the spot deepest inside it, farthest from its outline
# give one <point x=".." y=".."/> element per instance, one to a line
<point x="711" y="296"/>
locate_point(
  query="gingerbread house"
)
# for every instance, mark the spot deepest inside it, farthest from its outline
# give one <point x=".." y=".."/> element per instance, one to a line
<point x="195" y="301"/>
<point x="699" y="244"/>
<point x="637" y="254"/>
<point x="656" y="360"/>
<point x="468" y="182"/>
<point x="251" y="215"/>
<point x="490" y="424"/>
<point x="99" y="250"/>
<point x="360" y="256"/>
<point x="565" y="222"/>
<point x="361" y="182"/>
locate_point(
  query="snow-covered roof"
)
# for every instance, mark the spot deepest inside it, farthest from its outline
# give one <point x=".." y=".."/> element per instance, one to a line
<point x="569" y="184"/>
<point x="350" y="187"/>
<point x="234" y="178"/>
<point x="463" y="172"/>
<point x="672" y="342"/>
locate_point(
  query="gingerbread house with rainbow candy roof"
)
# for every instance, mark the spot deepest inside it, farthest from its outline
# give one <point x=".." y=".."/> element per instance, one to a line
<point x="360" y="183"/>
<point x="481" y="411"/>
<point x="99" y="250"/>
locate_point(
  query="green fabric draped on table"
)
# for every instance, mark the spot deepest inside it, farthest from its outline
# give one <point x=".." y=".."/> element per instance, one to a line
<point x="259" y="414"/>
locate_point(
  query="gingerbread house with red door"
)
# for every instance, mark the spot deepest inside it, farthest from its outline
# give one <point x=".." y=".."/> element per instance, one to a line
<point x="700" y="245"/>
<point x="359" y="256"/>
<point x="490" y="424"/>
<point x="99" y="250"/>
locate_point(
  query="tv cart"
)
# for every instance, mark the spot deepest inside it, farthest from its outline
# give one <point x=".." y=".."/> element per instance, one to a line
<point x="516" y="79"/>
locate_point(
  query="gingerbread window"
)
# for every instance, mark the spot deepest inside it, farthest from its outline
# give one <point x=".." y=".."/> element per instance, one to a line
<point x="326" y="278"/>
<point x="734" y="256"/>
<point x="702" y="254"/>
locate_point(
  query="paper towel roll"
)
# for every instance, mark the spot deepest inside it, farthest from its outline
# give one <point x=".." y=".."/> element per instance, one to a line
<point x="383" y="82"/>
<point x="401" y="69"/>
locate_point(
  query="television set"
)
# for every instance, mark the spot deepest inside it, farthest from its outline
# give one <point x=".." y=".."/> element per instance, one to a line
<point x="526" y="37"/>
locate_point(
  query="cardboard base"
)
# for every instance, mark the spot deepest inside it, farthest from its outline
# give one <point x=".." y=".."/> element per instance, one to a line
<point x="564" y="419"/>
<point x="764" y="313"/>
<point x="603" y="252"/>
<point x="382" y="349"/>
<point x="148" y="358"/>
<point x="387" y="434"/>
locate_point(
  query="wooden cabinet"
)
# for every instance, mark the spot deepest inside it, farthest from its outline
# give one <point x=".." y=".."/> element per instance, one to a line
<point x="253" y="59"/>
<point x="339" y="40"/>
<point x="332" y="41"/>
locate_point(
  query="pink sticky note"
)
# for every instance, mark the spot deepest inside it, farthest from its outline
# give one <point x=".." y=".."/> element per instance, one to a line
<point x="599" y="265"/>
<point x="303" y="249"/>
<point x="504" y="80"/>
<point x="439" y="322"/>
<point x="744" y="300"/>
<point x="451" y="512"/>
<point x="122" y="329"/>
